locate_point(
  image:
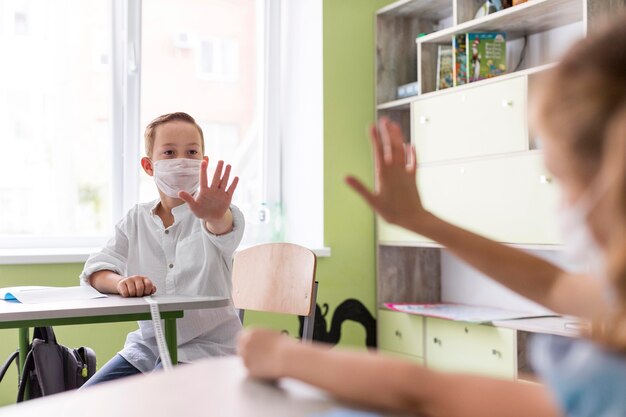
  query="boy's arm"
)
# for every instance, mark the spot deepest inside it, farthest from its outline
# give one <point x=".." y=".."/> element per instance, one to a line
<point x="105" y="270"/>
<point x="109" y="282"/>
<point x="385" y="383"/>
<point x="398" y="201"/>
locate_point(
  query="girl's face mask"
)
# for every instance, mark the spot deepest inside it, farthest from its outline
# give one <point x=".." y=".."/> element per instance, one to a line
<point x="174" y="175"/>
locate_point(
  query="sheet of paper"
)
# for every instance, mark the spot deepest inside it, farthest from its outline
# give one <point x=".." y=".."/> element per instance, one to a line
<point x="7" y="293"/>
<point x="35" y="295"/>
<point x="461" y="312"/>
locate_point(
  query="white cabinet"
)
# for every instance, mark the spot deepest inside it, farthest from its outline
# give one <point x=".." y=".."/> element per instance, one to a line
<point x="510" y="199"/>
<point x="474" y="121"/>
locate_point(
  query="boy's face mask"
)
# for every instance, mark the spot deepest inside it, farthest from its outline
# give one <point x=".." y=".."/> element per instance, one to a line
<point x="174" y="175"/>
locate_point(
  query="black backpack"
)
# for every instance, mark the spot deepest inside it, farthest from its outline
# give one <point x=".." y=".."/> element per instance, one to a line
<point x="51" y="368"/>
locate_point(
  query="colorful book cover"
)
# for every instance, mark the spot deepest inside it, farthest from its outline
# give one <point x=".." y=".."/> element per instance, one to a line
<point x="459" y="50"/>
<point x="445" y="67"/>
<point x="486" y="55"/>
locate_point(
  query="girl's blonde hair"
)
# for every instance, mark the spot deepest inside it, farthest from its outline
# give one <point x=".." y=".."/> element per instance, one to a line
<point x="612" y="330"/>
<point x="582" y="110"/>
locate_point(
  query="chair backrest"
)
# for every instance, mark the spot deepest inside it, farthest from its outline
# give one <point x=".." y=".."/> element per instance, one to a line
<point x="275" y="277"/>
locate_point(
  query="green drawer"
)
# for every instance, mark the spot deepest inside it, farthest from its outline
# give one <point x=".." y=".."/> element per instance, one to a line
<point x="401" y="333"/>
<point x="463" y="347"/>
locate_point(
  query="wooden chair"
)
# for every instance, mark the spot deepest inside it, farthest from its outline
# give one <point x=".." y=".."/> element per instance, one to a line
<point x="277" y="278"/>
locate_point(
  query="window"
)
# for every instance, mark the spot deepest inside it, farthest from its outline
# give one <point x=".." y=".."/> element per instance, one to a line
<point x="206" y="59"/>
<point x="55" y="118"/>
<point x="81" y="80"/>
<point x="218" y="59"/>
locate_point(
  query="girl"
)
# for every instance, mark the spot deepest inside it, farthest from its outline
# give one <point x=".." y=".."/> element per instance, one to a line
<point x="580" y="115"/>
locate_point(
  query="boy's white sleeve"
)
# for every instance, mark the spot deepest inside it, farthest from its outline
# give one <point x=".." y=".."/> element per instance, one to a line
<point x="227" y="243"/>
<point x="112" y="257"/>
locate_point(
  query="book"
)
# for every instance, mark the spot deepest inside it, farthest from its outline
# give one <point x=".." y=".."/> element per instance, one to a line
<point x="459" y="52"/>
<point x="37" y="294"/>
<point x="486" y="55"/>
<point x="445" y="67"/>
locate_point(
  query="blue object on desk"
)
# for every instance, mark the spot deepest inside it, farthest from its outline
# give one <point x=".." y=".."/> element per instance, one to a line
<point x="345" y="412"/>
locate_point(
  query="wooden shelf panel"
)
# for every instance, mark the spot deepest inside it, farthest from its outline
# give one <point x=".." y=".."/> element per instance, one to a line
<point x="406" y="102"/>
<point x="425" y="9"/>
<point x="535" y="16"/>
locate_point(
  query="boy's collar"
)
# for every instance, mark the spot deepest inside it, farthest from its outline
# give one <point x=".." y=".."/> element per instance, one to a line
<point x="178" y="209"/>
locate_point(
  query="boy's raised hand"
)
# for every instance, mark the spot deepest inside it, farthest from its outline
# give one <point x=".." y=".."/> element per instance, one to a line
<point x="212" y="203"/>
<point x="396" y="197"/>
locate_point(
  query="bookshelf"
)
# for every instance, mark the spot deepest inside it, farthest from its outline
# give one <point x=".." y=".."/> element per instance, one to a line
<point x="480" y="166"/>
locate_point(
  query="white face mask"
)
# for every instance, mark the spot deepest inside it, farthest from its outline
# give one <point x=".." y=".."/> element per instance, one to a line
<point x="174" y="175"/>
<point x="580" y="247"/>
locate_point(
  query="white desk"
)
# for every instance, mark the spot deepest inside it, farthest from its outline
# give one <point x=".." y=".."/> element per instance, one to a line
<point x="213" y="387"/>
<point x="113" y="308"/>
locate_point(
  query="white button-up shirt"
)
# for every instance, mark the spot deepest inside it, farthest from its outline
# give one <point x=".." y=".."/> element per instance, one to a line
<point x="184" y="259"/>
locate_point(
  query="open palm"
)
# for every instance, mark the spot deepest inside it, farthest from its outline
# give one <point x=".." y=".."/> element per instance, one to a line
<point x="396" y="197"/>
<point x="212" y="202"/>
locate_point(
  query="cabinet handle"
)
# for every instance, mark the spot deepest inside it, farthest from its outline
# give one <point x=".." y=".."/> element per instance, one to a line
<point x="398" y="334"/>
<point x="497" y="353"/>
<point x="507" y="103"/>
<point x="437" y="341"/>
<point x="423" y="120"/>
<point x="466" y="330"/>
<point x="544" y="179"/>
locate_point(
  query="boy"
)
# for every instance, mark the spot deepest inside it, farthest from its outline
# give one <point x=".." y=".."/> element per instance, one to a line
<point x="180" y="244"/>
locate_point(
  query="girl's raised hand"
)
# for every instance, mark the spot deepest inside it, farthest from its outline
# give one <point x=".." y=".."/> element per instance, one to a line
<point x="396" y="197"/>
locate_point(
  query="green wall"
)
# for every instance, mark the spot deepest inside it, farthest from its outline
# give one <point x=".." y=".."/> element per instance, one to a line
<point x="349" y="224"/>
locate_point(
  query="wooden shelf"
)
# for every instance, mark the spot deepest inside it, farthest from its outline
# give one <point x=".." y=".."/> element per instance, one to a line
<point x="399" y="104"/>
<point x="535" y="16"/>
<point x="406" y="102"/>
<point x="426" y="9"/>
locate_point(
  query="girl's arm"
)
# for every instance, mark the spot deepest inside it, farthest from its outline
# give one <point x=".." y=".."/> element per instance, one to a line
<point x="386" y="383"/>
<point x="398" y="201"/>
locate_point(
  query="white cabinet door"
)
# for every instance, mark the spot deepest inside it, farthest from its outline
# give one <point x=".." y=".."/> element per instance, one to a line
<point x="485" y="120"/>
<point x="510" y="199"/>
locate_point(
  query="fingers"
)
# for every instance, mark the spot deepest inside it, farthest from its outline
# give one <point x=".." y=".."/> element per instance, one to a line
<point x="188" y="198"/>
<point x="383" y="132"/>
<point x="396" y="141"/>
<point x="362" y="190"/>
<point x="135" y="286"/>
<point x="224" y="180"/>
<point x="122" y="289"/>
<point x="231" y="190"/>
<point x="204" y="182"/>
<point x="217" y="175"/>
<point x="411" y="165"/>
<point x="148" y="286"/>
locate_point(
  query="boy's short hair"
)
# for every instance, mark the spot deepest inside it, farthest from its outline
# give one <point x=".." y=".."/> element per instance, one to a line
<point x="169" y="117"/>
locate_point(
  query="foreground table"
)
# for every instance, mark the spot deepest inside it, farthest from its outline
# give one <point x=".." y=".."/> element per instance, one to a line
<point x="214" y="387"/>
